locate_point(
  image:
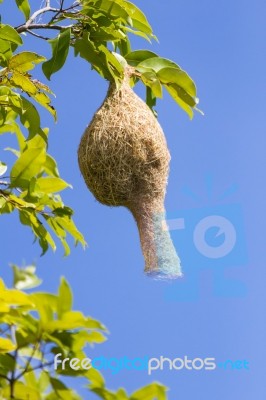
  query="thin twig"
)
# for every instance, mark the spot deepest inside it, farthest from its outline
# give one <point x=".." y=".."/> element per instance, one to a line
<point x="42" y="365"/>
<point x="5" y="377"/>
<point x="4" y="183"/>
<point x="12" y="379"/>
<point x="27" y="366"/>
<point x="38" y="36"/>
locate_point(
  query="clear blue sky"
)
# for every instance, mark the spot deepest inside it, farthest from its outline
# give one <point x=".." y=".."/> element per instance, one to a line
<point x="218" y="310"/>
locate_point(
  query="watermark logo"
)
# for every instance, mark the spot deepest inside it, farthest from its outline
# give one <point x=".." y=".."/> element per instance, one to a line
<point x="209" y="238"/>
<point x="149" y="365"/>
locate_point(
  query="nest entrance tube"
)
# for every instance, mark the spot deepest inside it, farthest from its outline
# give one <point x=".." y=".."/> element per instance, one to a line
<point x="161" y="259"/>
<point x="124" y="159"/>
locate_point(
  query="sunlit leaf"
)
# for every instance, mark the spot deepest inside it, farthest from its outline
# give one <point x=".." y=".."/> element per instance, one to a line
<point x="73" y="320"/>
<point x="156" y="64"/>
<point x="175" y="92"/>
<point x="179" y="77"/>
<point x="136" y="57"/>
<point x="27" y="166"/>
<point x="62" y="391"/>
<point x="6" y="345"/>
<point x="150" y="79"/>
<point x="24" y="83"/>
<point x="153" y="391"/>
<point x="64" y="298"/>
<point x="70" y="227"/>
<point x="15" y="297"/>
<point x="25" y="278"/>
<point x="51" y="166"/>
<point x="139" y="19"/>
<point x="51" y="185"/>
<point x="25" y="61"/>
<point x="10" y="34"/>
<point x="5" y="52"/>
<point x="22" y="392"/>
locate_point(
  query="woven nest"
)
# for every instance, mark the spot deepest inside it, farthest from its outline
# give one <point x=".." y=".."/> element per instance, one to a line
<point x="124" y="159"/>
<point x="123" y="154"/>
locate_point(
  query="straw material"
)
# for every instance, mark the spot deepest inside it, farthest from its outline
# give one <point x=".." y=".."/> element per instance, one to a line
<point x="124" y="159"/>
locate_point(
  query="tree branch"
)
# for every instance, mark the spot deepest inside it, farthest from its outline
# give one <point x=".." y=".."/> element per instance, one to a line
<point x="42" y="365"/>
<point x="24" y="28"/>
<point x="39" y="12"/>
<point x="37" y="36"/>
<point x="5" y="377"/>
<point x="31" y="24"/>
<point x="27" y="366"/>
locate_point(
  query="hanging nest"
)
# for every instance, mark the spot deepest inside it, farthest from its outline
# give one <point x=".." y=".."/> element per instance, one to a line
<point x="124" y="159"/>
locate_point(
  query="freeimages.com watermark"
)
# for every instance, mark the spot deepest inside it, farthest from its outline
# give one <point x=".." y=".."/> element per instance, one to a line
<point x="150" y="365"/>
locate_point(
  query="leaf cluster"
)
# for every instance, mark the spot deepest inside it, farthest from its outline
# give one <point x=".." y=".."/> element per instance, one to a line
<point x="34" y="328"/>
<point x="32" y="185"/>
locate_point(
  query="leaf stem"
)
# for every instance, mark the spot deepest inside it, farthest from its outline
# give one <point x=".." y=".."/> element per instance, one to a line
<point x="27" y="366"/>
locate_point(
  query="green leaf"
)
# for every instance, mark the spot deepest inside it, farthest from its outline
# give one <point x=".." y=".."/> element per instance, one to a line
<point x="27" y="166"/>
<point x="10" y="34"/>
<point x="139" y="20"/>
<point x="30" y="117"/>
<point x="121" y="394"/>
<point x="59" y="231"/>
<point x="44" y="380"/>
<point x="60" y="48"/>
<point x="136" y="57"/>
<point x="150" y="79"/>
<point x="25" y="61"/>
<point x="62" y="391"/>
<point x="156" y="64"/>
<point x="45" y="101"/>
<point x="3" y="168"/>
<point x="28" y="217"/>
<point x="101" y="59"/>
<point x="50" y="166"/>
<point x="73" y="320"/>
<point x="6" y="345"/>
<point x="24" y="83"/>
<point x="112" y="8"/>
<point x="22" y="392"/>
<point x="150" y="99"/>
<point x="137" y="33"/>
<point x="46" y="305"/>
<point x="153" y="391"/>
<point x="65" y="298"/>
<point x="69" y="225"/>
<point x="50" y="185"/>
<point x="25" y="278"/>
<point x="7" y="363"/>
<point x="30" y="377"/>
<point x="176" y="92"/>
<point x="15" y="297"/>
<point x="24" y="7"/>
<point x="181" y="78"/>
<point x="5" y="51"/>
<point x="105" y="34"/>
<point x="80" y="339"/>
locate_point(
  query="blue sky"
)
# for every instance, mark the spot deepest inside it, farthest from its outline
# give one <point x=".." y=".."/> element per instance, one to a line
<point x="218" y="310"/>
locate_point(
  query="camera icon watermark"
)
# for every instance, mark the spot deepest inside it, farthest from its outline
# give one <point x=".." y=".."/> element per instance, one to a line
<point x="209" y="239"/>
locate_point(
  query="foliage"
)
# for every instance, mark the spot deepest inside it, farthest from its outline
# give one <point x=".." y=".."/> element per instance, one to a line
<point x="34" y="328"/>
<point x="99" y="32"/>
